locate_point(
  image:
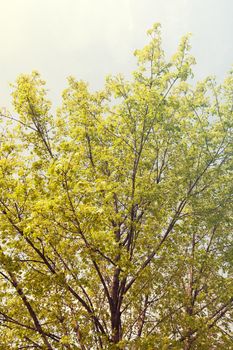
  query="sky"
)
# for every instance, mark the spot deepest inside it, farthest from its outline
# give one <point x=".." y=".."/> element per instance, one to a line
<point x="90" y="39"/>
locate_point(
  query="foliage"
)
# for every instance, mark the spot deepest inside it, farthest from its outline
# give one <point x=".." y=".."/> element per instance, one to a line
<point x="116" y="215"/>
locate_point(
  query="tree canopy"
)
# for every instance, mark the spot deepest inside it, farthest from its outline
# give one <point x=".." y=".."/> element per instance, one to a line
<point x="116" y="213"/>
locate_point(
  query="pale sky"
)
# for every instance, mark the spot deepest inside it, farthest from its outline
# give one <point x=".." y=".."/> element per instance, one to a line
<point x="92" y="38"/>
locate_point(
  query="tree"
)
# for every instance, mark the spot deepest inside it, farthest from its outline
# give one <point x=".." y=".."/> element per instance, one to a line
<point x="116" y="215"/>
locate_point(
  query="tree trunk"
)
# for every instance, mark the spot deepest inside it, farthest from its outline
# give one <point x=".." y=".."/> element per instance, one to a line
<point x="115" y="308"/>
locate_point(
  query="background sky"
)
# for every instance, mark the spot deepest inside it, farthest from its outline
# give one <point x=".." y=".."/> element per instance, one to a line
<point x="92" y="38"/>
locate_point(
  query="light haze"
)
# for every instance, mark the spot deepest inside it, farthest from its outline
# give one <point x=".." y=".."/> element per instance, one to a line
<point x="90" y="39"/>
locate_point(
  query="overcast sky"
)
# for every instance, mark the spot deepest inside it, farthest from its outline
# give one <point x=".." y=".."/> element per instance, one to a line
<point x="92" y="38"/>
